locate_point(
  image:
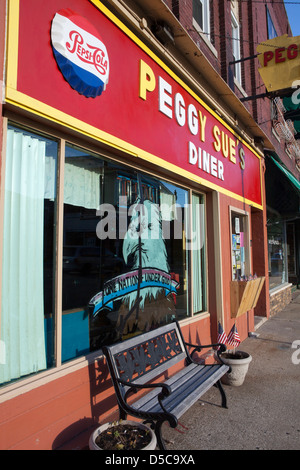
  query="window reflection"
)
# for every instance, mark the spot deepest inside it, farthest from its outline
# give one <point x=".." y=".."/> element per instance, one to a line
<point x="125" y="266"/>
<point x="276" y="252"/>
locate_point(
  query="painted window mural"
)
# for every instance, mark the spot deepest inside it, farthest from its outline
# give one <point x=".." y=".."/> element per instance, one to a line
<point x="132" y="248"/>
<point x="125" y="254"/>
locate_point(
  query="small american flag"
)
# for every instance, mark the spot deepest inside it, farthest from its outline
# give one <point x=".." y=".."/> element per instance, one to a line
<point x="222" y="338"/>
<point x="233" y="337"/>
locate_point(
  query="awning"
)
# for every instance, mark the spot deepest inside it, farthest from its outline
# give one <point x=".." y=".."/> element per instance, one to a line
<point x="288" y="174"/>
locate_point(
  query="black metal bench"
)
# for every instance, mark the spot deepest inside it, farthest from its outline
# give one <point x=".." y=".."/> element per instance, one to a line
<point x="136" y="362"/>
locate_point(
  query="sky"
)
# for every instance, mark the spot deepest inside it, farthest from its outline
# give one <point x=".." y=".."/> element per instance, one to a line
<point x="293" y="11"/>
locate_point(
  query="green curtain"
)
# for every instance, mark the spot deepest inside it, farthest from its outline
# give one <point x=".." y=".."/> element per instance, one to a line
<point x="22" y="310"/>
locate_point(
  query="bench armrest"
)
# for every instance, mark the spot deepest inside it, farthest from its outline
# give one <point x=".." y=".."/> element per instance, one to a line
<point x="133" y="387"/>
<point x="165" y="392"/>
<point x="197" y="348"/>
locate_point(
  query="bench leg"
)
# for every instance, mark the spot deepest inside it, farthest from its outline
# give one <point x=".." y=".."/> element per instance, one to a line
<point x="224" y="399"/>
<point x="156" y="427"/>
<point x="122" y="415"/>
<point x="160" y="441"/>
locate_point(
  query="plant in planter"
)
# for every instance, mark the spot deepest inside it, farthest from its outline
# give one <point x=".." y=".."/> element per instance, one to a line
<point x="237" y="360"/>
<point x="239" y="363"/>
<point x="123" y="435"/>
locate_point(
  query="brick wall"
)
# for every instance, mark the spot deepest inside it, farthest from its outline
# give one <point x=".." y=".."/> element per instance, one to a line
<point x="183" y="10"/>
<point x="279" y="299"/>
<point x="252" y="17"/>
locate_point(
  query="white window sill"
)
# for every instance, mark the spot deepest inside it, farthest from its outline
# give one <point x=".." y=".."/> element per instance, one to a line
<point x="205" y="37"/>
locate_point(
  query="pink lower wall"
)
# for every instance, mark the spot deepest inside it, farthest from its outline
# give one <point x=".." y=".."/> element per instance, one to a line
<point x="62" y="413"/>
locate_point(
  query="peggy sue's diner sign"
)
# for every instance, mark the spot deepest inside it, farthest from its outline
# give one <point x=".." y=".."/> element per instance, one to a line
<point x="117" y="91"/>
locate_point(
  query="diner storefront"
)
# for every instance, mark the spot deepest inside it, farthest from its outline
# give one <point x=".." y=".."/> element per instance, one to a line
<point x="128" y="203"/>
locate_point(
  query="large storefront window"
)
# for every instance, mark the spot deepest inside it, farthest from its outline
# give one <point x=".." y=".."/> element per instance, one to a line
<point x="27" y="322"/>
<point x="126" y="262"/>
<point x="133" y="254"/>
<point x="276" y="251"/>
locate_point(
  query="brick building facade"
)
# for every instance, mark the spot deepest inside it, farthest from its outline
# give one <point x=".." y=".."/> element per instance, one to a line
<point x="256" y="22"/>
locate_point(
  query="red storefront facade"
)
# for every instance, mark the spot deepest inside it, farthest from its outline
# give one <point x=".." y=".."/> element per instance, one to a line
<point x="98" y="128"/>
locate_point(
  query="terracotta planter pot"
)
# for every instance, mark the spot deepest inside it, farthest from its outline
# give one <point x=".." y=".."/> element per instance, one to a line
<point x="98" y="431"/>
<point x="239" y="364"/>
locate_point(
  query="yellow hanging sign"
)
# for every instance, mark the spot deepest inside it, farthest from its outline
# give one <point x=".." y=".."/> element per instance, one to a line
<point x="279" y="60"/>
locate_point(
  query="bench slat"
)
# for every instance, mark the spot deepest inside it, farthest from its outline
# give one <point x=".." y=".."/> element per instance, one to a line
<point x="185" y="401"/>
<point x="152" y="396"/>
<point x="187" y="387"/>
<point x="174" y="381"/>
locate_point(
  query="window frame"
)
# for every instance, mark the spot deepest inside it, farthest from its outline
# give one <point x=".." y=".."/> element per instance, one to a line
<point x="236" y="47"/>
<point x="205" y="32"/>
<point x="271" y="30"/>
<point x="247" y="244"/>
<point x="284" y="248"/>
<point x="203" y="255"/>
<point x="205" y="11"/>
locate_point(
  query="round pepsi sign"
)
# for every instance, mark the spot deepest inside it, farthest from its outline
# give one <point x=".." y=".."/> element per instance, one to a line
<point x="80" y="53"/>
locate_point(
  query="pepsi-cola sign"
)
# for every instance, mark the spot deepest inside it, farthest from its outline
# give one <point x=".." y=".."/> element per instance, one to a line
<point x="80" y="53"/>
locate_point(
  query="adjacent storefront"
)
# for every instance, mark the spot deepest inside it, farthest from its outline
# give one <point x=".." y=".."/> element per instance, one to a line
<point x="279" y="62"/>
<point x="127" y="203"/>
<point x="283" y="192"/>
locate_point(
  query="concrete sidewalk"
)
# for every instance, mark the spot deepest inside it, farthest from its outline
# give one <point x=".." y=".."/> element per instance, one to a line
<point x="264" y="412"/>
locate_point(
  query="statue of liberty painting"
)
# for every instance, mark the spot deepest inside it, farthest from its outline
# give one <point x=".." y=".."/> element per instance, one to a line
<point x="145" y="248"/>
<point x="145" y="295"/>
